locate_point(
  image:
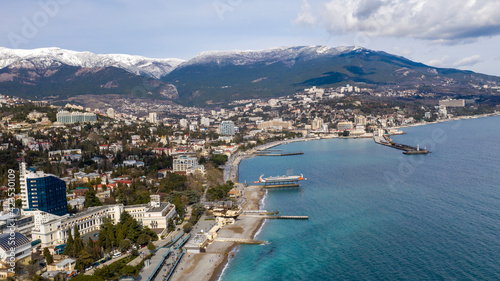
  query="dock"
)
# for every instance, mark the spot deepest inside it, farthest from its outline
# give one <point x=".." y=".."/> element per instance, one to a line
<point x="279" y="154"/>
<point x="407" y="149"/>
<point x="240" y="240"/>
<point x="288" y="217"/>
<point x="282" y="185"/>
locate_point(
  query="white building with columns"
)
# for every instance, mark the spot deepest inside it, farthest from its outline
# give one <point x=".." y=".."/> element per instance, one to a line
<point x="53" y="230"/>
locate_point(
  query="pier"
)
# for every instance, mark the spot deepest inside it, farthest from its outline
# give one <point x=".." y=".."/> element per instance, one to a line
<point x="407" y="149"/>
<point x="270" y="217"/>
<point x="282" y="185"/>
<point x="279" y="154"/>
<point x="240" y="240"/>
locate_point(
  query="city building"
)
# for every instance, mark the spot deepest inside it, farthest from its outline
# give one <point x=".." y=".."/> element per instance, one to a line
<point x="110" y="112"/>
<point x="183" y="123"/>
<point x="53" y="230"/>
<point x="317" y="123"/>
<point x="360" y="120"/>
<point x="183" y="162"/>
<point x="205" y="121"/>
<point x="66" y="117"/>
<point x="64" y="265"/>
<point x="226" y="128"/>
<point x="452" y="103"/>
<point x="44" y="192"/>
<point x="345" y="125"/>
<point x="275" y="124"/>
<point x="153" y="117"/>
<point x="20" y="249"/>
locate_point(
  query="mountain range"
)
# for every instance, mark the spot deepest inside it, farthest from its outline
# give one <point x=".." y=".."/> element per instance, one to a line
<point x="218" y="76"/>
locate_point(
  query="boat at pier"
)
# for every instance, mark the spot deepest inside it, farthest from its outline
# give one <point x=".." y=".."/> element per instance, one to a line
<point x="281" y="181"/>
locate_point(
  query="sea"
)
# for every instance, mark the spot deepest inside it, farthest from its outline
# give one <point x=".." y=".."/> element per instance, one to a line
<point x="376" y="214"/>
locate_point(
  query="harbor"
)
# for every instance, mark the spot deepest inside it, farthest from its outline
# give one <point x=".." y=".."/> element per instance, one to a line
<point x="407" y="149"/>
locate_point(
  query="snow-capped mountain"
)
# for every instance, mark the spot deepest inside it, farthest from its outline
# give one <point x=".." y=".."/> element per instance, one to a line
<point x="286" y="55"/>
<point x="44" y="58"/>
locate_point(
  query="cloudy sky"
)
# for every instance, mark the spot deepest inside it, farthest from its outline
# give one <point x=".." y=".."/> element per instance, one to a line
<point x="444" y="33"/>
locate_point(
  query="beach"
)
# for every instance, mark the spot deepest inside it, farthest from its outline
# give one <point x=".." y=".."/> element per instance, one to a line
<point x="209" y="265"/>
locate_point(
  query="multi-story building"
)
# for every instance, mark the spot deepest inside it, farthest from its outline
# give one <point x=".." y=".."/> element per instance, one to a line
<point x="226" y="128"/>
<point x="153" y="117"/>
<point x="452" y="103"/>
<point x="205" y="121"/>
<point x="344" y="125"/>
<point x="66" y="117"/>
<point x="53" y="230"/>
<point x="44" y="192"/>
<point x="275" y="124"/>
<point x="21" y="248"/>
<point x="183" y="123"/>
<point x="183" y="162"/>
<point x="110" y="112"/>
<point x="360" y="120"/>
<point x="317" y="123"/>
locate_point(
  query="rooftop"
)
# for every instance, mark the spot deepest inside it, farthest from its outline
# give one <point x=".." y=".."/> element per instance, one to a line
<point x="65" y="262"/>
<point x="20" y="240"/>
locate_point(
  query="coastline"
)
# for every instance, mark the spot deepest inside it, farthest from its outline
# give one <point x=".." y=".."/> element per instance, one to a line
<point x="449" y="120"/>
<point x="246" y="226"/>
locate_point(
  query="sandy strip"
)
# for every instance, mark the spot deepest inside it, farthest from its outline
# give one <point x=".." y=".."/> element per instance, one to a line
<point x="207" y="266"/>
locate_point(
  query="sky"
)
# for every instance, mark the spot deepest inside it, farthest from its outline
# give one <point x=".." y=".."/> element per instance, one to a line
<point x="460" y="34"/>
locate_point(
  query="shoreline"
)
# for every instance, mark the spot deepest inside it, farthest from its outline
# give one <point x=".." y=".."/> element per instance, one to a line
<point x="253" y="198"/>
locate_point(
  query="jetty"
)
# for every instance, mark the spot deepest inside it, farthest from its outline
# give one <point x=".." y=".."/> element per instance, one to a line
<point x="265" y="153"/>
<point x="273" y="217"/>
<point x="240" y="240"/>
<point x="407" y="149"/>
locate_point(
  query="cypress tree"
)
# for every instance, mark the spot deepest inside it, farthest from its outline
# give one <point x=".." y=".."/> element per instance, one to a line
<point x="69" y="244"/>
<point x="78" y="243"/>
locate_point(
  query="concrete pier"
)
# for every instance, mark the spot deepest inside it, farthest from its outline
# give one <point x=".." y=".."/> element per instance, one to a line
<point x="408" y="150"/>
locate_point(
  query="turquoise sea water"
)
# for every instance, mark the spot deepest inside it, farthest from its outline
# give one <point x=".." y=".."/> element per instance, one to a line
<point x="376" y="214"/>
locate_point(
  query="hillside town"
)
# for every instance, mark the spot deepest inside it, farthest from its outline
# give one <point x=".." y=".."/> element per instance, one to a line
<point x="83" y="188"/>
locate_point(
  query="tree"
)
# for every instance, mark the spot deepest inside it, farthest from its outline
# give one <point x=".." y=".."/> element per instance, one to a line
<point x="142" y="239"/>
<point x="19" y="203"/>
<point x="78" y="243"/>
<point x="69" y="244"/>
<point x="31" y="270"/>
<point x="125" y="245"/>
<point x="84" y="260"/>
<point x="187" y="227"/>
<point x="48" y="257"/>
<point x="151" y="246"/>
<point x="214" y="177"/>
<point x="171" y="225"/>
<point x="91" y="200"/>
<point x="38" y="278"/>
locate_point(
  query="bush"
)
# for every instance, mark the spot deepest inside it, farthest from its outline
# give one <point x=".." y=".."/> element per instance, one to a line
<point x="151" y="246"/>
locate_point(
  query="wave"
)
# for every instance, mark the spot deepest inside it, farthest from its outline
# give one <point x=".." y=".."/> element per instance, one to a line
<point x="229" y="259"/>
<point x="262" y="201"/>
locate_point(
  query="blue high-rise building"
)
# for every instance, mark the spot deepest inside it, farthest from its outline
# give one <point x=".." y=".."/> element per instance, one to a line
<point x="44" y="192"/>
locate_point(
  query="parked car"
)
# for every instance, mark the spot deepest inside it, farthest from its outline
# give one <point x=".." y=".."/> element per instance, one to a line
<point x="89" y="268"/>
<point x="117" y="255"/>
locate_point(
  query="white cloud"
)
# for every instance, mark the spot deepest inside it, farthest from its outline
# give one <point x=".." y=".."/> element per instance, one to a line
<point x="305" y="16"/>
<point x="443" y="21"/>
<point x="468" y="61"/>
<point x="446" y="61"/>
